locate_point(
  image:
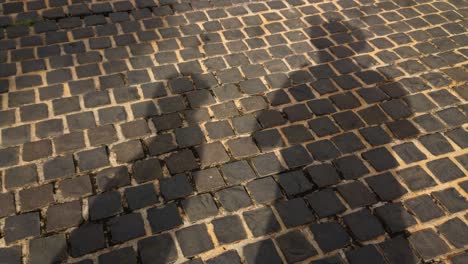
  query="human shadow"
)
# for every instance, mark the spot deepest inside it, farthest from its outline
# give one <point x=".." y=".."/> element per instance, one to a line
<point x="339" y="96"/>
<point x="300" y="170"/>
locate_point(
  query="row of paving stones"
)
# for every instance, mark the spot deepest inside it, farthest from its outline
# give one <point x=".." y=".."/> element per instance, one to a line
<point x="54" y="9"/>
<point x="261" y="189"/>
<point x="329" y="236"/>
<point x="395" y="108"/>
<point x="229" y="24"/>
<point x="209" y="154"/>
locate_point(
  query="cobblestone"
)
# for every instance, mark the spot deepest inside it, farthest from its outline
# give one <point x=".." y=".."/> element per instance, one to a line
<point x="233" y="131"/>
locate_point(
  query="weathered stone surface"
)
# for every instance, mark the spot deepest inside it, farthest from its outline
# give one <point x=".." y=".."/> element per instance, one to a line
<point x="248" y="131"/>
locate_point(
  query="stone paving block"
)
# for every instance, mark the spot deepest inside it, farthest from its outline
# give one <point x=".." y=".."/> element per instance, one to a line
<point x="323" y="174"/>
<point x="356" y="194"/>
<point x="36" y="197"/>
<point x="92" y="159"/>
<point x="37" y="150"/>
<point x="102" y="135"/>
<point x="16" y="135"/>
<point x="160" y="144"/>
<point x="169" y="121"/>
<point x="81" y="121"/>
<point x="330" y="236"/>
<point x="208" y="180"/>
<point x="460" y="258"/>
<point x="262" y="251"/>
<point x="75" y="187"/>
<point x="194" y="239"/>
<point x="11" y="254"/>
<point x="174" y="164"/>
<point x="86" y="239"/>
<point x="261" y="221"/>
<point x="233" y="198"/>
<point x="242" y="147"/>
<point x="59" y="167"/>
<point x="164" y="242"/>
<point x="21" y="226"/>
<point x="428" y="244"/>
<point x="409" y="153"/>
<point x="403" y="129"/>
<point x="245" y="123"/>
<point x="454" y="231"/>
<point x="386" y="186"/>
<point x="294" y="212"/>
<point x="230" y="256"/>
<point x="7" y="203"/>
<point x="219" y="130"/>
<point x="444" y="169"/>
<point x="69" y="142"/>
<point x="267" y="164"/>
<point x="63" y="215"/>
<point x="52" y="127"/>
<point x="146" y="170"/>
<point x="128" y="151"/>
<point x="367" y="253"/>
<point x="452" y="116"/>
<point x="323" y="126"/>
<point x="375" y="136"/>
<point x="264" y="190"/>
<point x="458" y="136"/>
<point x="96" y="98"/>
<point x="48" y="249"/>
<point x="212" y="154"/>
<point x="294" y="183"/>
<point x="104" y="205"/>
<point x="229" y="229"/>
<point x="295" y="246"/>
<point x="347" y="120"/>
<point x="33" y="112"/>
<point x="112" y="115"/>
<point x="7" y="118"/>
<point x="351" y="167"/>
<point x="126" y="255"/>
<point x="416" y="178"/>
<point x="268" y="140"/>
<point x="347" y="142"/>
<point x="323" y="150"/>
<point x="126" y="227"/>
<point x="325" y="203"/>
<point x="175" y="187"/>
<point x="451" y="199"/>
<point x="110" y="178"/>
<point x="237" y="172"/>
<point x="199" y="207"/>
<point x="141" y="196"/>
<point x="20" y="176"/>
<point x="16" y="99"/>
<point x="364" y="226"/>
<point x="66" y="105"/>
<point x="164" y="218"/>
<point x="296" y="156"/>
<point x="436" y="144"/>
<point x="398" y="249"/>
<point x="135" y="129"/>
<point x="394" y="217"/>
<point x="424" y="208"/>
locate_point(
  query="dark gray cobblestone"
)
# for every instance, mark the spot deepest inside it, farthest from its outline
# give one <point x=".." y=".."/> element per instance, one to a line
<point x="233" y="131"/>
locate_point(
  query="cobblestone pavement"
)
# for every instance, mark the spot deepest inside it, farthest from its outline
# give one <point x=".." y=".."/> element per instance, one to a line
<point x="232" y="131"/>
